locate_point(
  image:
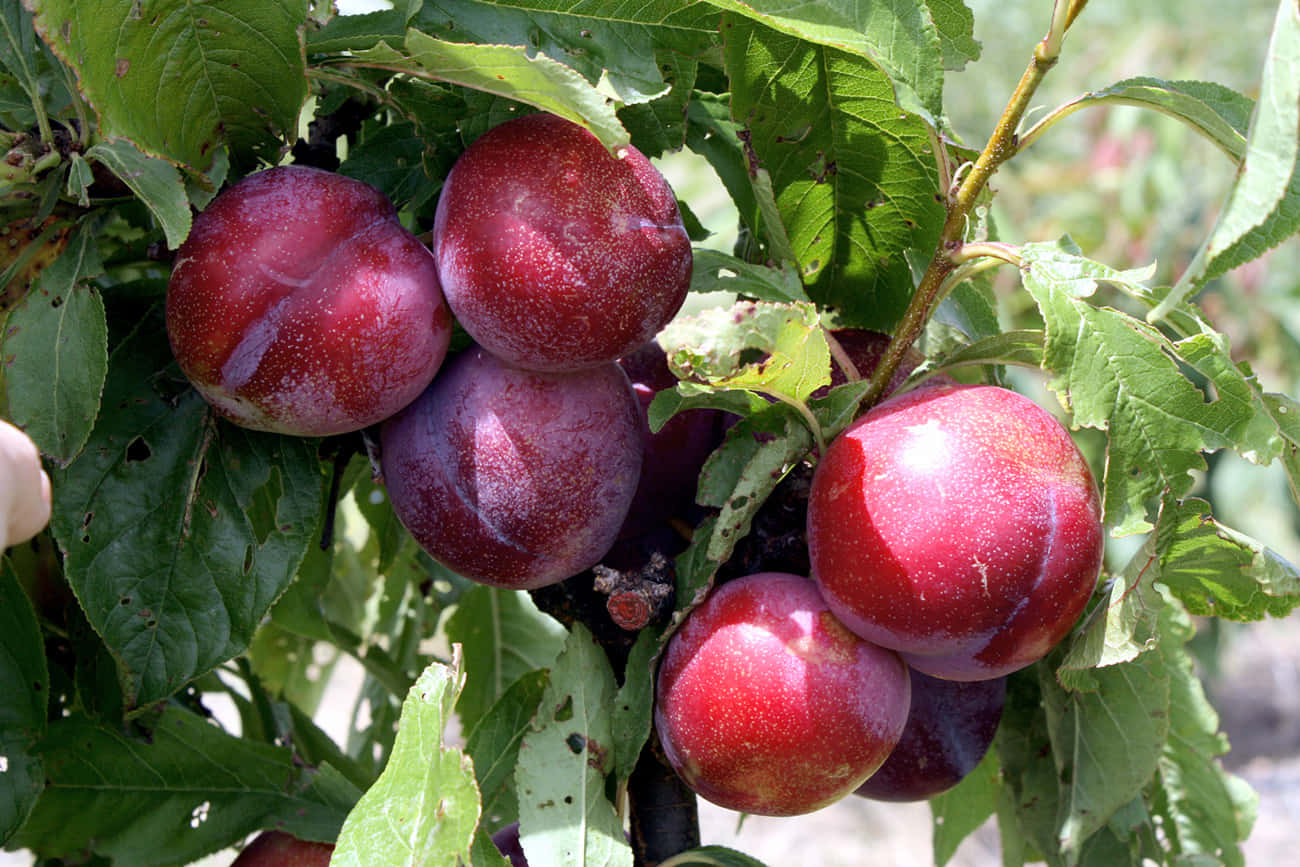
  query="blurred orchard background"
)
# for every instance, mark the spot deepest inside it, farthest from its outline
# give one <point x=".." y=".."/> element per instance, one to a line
<point x="1131" y="188"/>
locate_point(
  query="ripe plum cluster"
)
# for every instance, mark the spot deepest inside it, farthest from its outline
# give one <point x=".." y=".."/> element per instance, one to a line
<point x="953" y="537"/>
<point x="301" y="305"/>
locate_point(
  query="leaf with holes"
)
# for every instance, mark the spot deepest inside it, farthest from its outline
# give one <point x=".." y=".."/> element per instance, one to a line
<point x="564" y="814"/>
<point x="853" y="174"/>
<point x="179" y="531"/>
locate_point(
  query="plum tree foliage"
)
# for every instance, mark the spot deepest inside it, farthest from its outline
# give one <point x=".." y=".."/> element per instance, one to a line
<point x="191" y="563"/>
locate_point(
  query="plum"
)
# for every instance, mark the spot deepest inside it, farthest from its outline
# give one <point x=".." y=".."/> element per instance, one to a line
<point x="515" y="478"/>
<point x="765" y="703"/>
<point x="507" y="842"/>
<point x="554" y="253"/>
<point x="949" y="728"/>
<point x="278" y="849"/>
<point x="675" y="453"/>
<point x="959" y="525"/>
<point x="299" y="304"/>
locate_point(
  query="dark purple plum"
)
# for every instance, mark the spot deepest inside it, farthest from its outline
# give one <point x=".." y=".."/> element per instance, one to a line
<point x="515" y="478"/>
<point x="554" y="253"/>
<point x="674" y="454"/>
<point x="949" y="729"/>
<point x="507" y="842"/>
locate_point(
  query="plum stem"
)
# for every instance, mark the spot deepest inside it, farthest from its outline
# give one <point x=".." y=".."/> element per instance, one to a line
<point x="962" y="199"/>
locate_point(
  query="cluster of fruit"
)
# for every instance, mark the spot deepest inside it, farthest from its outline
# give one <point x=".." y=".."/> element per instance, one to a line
<point x="954" y="536"/>
<point x="300" y="304"/>
<point x="953" y="531"/>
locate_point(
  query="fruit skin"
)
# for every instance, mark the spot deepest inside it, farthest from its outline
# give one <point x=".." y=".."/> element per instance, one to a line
<point x="278" y="849"/>
<point x="865" y="349"/>
<point x="515" y="478"/>
<point x="507" y="842"/>
<point x="958" y="525"/>
<point x="949" y="728"/>
<point x="766" y="704"/>
<point x="299" y="304"/>
<point x="554" y="253"/>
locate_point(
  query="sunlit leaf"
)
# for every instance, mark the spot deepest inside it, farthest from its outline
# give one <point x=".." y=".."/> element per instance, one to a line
<point x="564" y="814"/>
<point x="424" y="807"/>
<point x="853" y="175"/>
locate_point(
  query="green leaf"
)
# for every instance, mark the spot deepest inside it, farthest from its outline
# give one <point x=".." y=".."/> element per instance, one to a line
<point x="1107" y="743"/>
<point x="737" y="479"/>
<point x="971" y="309"/>
<point x="711" y="133"/>
<point x="693" y="395"/>
<point x="1263" y="206"/>
<point x="155" y="182"/>
<point x="775" y="349"/>
<point x="1121" y="375"/>
<point x="391" y="160"/>
<point x="711" y="856"/>
<point x="179" y="531"/>
<point x="180" y="80"/>
<point x="1217" y="571"/>
<point x="660" y="126"/>
<point x="1207" y="812"/>
<point x="1020" y="347"/>
<point x="634" y="704"/>
<point x="713" y="271"/>
<point x="1121" y="627"/>
<point x="577" y="35"/>
<point x="345" y="33"/>
<point x="853" y="176"/>
<point x="25" y="683"/>
<point x="56" y="351"/>
<point x="1219" y="113"/>
<point x="508" y="71"/>
<point x="1031" y="796"/>
<point x="186" y="790"/>
<point x="503" y="636"/>
<point x="897" y="35"/>
<point x="564" y="815"/>
<point x="1285" y="413"/>
<point x="956" y="27"/>
<point x="424" y="807"/>
<point x="494" y="744"/>
<point x="965" y="807"/>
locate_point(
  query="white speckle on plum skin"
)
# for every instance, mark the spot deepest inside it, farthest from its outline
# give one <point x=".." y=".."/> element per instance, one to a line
<point x="565" y="277"/>
<point x="766" y="704"/>
<point x="515" y="478"/>
<point x="265" y="345"/>
<point x="1023" y="540"/>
